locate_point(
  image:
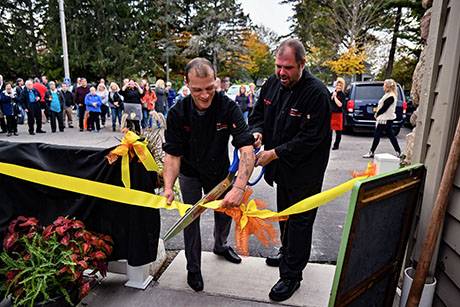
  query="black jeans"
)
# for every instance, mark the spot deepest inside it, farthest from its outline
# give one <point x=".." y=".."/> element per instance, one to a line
<point x="11" y="123"/>
<point x="388" y="128"/>
<point x="81" y="117"/>
<point x="104" y="112"/>
<point x="59" y="116"/>
<point x="34" y="114"/>
<point x="93" y="120"/>
<point x="338" y="138"/>
<point x="296" y="232"/>
<point x="192" y="191"/>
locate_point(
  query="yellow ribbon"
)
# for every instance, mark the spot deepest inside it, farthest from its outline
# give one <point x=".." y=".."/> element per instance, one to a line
<point x="145" y="199"/>
<point x="131" y="142"/>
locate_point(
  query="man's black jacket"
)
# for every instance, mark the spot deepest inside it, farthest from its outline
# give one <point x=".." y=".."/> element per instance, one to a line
<point x="296" y="123"/>
<point x="202" y="140"/>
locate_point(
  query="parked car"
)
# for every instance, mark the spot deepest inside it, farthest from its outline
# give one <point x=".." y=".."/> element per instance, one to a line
<point x="361" y="105"/>
<point x="410" y="109"/>
<point x="234" y="89"/>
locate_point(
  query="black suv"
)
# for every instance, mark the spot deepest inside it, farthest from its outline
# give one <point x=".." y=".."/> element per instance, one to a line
<point x="361" y="105"/>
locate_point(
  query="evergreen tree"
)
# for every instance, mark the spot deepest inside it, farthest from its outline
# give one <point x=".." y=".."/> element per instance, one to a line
<point x="217" y="31"/>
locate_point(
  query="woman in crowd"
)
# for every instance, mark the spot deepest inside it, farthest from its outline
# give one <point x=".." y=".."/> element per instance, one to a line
<point x="55" y="105"/>
<point x="116" y="105"/>
<point x="148" y="103"/>
<point x="243" y="101"/>
<point x="104" y="94"/>
<point x="93" y="105"/>
<point x="132" y="93"/>
<point x="384" y="118"/>
<point x="337" y="106"/>
<point x="160" y="105"/>
<point x="9" y="107"/>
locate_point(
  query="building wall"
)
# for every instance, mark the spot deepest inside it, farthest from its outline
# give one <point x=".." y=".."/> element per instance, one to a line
<point x="438" y="117"/>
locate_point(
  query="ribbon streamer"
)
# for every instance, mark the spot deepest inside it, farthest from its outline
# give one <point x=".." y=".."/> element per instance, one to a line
<point x="145" y="199"/>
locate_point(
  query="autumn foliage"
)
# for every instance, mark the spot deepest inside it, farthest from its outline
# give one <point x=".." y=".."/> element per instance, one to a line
<point x="349" y="63"/>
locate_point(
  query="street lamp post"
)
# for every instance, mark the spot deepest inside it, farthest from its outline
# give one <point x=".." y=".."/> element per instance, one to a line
<point x="64" y="40"/>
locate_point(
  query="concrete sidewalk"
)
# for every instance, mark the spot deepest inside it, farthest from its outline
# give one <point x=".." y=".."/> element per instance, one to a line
<point x="225" y="284"/>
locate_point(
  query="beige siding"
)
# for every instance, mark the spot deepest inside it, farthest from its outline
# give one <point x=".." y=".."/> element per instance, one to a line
<point x="447" y="292"/>
<point x="439" y="114"/>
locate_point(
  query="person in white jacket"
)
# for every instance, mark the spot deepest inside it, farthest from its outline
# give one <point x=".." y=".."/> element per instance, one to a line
<point x="384" y="118"/>
<point x="105" y="109"/>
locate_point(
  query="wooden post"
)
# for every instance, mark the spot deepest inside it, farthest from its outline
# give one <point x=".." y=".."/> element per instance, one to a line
<point x="437" y="218"/>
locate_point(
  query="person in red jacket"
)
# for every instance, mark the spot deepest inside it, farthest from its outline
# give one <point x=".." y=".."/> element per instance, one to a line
<point x="41" y="89"/>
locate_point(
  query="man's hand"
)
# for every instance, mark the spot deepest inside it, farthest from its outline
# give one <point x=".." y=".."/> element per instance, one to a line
<point x="233" y="198"/>
<point x="258" y="139"/>
<point x="169" y="194"/>
<point x="265" y="157"/>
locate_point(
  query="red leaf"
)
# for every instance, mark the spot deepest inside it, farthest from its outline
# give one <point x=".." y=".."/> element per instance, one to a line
<point x="98" y="255"/>
<point x="29" y="222"/>
<point x="77" y="224"/>
<point x="48" y="231"/>
<point x="63" y="270"/>
<point x="65" y="240"/>
<point x="16" y="221"/>
<point x="86" y="247"/>
<point x="10" y="275"/>
<point x="61" y="230"/>
<point x="83" y="264"/>
<point x="59" y="220"/>
<point x="84" y="290"/>
<point x="10" y="239"/>
<point x="27" y="257"/>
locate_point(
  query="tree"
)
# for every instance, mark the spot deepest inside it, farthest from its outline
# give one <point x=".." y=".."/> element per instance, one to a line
<point x="258" y="60"/>
<point x="217" y="29"/>
<point x="22" y="38"/>
<point x="349" y="63"/>
<point x="402" y="72"/>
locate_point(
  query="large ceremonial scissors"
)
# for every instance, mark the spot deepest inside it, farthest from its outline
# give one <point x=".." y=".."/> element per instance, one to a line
<point x="194" y="212"/>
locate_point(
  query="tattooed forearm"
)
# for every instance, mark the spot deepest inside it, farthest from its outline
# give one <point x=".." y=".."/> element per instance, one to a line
<point x="246" y="166"/>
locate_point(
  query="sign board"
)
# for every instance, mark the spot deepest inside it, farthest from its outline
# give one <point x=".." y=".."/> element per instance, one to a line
<point x="376" y="231"/>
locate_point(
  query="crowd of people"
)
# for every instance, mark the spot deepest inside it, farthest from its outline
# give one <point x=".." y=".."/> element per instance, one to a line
<point x="41" y="101"/>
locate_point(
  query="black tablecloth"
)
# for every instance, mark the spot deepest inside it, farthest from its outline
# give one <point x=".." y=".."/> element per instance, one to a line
<point x="135" y="230"/>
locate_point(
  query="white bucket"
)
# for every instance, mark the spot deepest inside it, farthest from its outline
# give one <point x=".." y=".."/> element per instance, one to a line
<point x="428" y="290"/>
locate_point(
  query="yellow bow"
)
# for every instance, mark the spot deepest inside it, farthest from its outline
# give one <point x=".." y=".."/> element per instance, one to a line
<point x="130" y="146"/>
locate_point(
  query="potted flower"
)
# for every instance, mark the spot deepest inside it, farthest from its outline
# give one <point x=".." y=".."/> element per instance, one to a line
<point x="44" y="266"/>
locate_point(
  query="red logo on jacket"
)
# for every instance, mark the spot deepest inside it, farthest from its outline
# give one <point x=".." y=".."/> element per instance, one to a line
<point x="295" y="112"/>
<point x="221" y="126"/>
<point x="267" y="102"/>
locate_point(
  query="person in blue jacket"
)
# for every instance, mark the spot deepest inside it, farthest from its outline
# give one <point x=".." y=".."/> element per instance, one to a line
<point x="93" y="104"/>
<point x="55" y="103"/>
<point x="8" y="106"/>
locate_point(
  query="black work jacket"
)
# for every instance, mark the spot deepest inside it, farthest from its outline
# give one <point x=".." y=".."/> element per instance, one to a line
<point x="296" y="123"/>
<point x="202" y="140"/>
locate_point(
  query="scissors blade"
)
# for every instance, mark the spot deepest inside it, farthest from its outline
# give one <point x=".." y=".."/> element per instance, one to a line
<point x="194" y="212"/>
